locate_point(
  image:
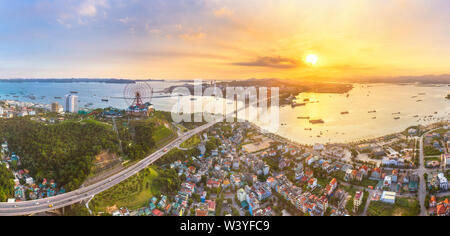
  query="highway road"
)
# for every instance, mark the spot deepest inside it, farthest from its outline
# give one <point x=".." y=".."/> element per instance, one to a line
<point x="59" y="201"/>
<point x="85" y="193"/>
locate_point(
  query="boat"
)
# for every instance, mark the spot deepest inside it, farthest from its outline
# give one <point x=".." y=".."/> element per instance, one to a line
<point x="373" y="118"/>
<point x="397" y="113"/>
<point x="303" y="117"/>
<point x="193" y="99"/>
<point x="374" y="111"/>
<point x="318" y="121"/>
<point x="418" y="100"/>
<point x="308" y="129"/>
<point x="298" y="104"/>
<point x="397" y="118"/>
<point x="58" y="97"/>
<point x="73" y="92"/>
<point x="345" y="113"/>
<point x="105" y="100"/>
<point x="306" y="100"/>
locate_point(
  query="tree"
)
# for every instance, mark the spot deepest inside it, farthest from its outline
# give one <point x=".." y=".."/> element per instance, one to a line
<point x="64" y="151"/>
<point x="6" y="183"/>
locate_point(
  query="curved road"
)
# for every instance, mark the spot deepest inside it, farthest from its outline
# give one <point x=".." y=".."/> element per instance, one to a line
<point x="84" y="193"/>
<point x="59" y="201"/>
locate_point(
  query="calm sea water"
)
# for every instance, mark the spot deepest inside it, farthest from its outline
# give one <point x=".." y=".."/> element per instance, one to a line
<point x="87" y="93"/>
<point x="413" y="103"/>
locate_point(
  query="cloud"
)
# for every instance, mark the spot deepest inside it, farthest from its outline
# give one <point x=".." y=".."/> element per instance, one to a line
<point x="79" y="13"/>
<point x="90" y="7"/>
<point x="126" y="20"/>
<point x="349" y="67"/>
<point x="160" y="53"/>
<point x="223" y="12"/>
<point x="272" y="62"/>
<point x="192" y="36"/>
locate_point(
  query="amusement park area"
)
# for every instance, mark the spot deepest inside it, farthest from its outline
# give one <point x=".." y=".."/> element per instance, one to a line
<point x="138" y="98"/>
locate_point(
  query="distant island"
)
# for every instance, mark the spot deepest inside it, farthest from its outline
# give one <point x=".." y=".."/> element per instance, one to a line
<point x="77" y="80"/>
<point x="424" y="79"/>
<point x="288" y="88"/>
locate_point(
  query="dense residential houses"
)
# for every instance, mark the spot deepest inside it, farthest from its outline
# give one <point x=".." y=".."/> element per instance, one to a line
<point x="25" y="186"/>
<point x="438" y="181"/>
<point x="305" y="177"/>
<point x="439" y="208"/>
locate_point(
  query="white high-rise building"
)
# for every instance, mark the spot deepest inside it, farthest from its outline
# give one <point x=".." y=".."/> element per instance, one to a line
<point x="71" y="103"/>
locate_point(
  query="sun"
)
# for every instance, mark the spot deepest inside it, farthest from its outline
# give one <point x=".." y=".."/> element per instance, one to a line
<point x="312" y="59"/>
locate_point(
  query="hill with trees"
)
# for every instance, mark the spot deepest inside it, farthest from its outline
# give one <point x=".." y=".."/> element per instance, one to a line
<point x="64" y="151"/>
<point x="6" y="183"/>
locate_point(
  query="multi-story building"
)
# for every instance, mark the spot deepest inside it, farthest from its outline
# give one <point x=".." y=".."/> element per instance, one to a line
<point x="55" y="107"/>
<point x="357" y="200"/>
<point x="443" y="182"/>
<point x="71" y="103"/>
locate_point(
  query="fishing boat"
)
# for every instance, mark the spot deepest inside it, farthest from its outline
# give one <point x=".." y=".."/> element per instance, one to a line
<point x="374" y="111"/>
<point x="318" y="121"/>
<point x="73" y="92"/>
<point x="303" y="117"/>
<point x="298" y="104"/>
<point x="397" y="118"/>
<point x="105" y="100"/>
<point x="345" y="113"/>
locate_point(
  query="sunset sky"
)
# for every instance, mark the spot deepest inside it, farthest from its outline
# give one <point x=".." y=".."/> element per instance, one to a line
<point x="229" y="39"/>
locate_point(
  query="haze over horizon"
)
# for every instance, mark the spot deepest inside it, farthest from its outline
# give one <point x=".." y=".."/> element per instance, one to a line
<point x="227" y="39"/>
